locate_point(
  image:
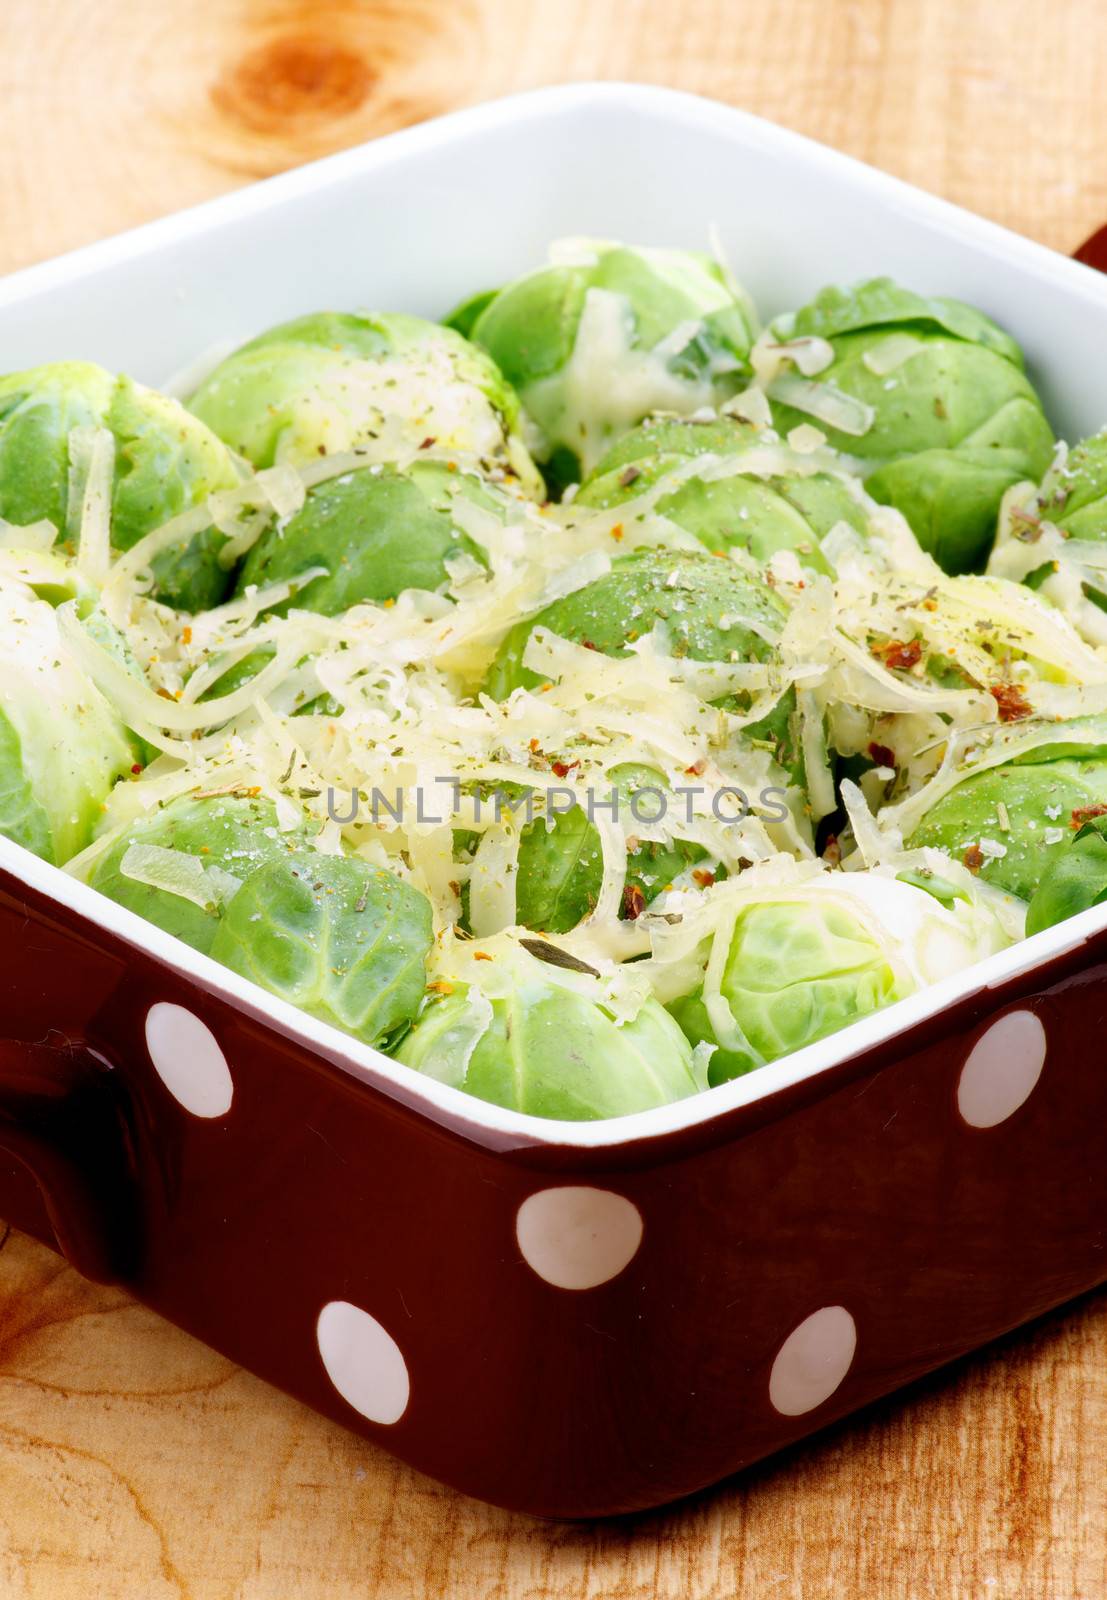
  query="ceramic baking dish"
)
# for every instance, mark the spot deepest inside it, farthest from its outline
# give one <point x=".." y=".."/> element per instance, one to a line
<point x="572" y="1319"/>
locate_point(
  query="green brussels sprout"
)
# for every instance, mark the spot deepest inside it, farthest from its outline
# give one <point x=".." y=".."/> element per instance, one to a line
<point x="107" y="636"/>
<point x="330" y="382"/>
<point x="714" y="610"/>
<point x="549" y="1049"/>
<point x="930" y="396"/>
<point x="218" y="842"/>
<point x="166" y="462"/>
<point x="795" y="972"/>
<point x="62" y="745"/>
<point x="560" y="865"/>
<point x="1073" y="881"/>
<point x="1073" y="494"/>
<point x="343" y="940"/>
<point x="1073" y="498"/>
<point x="596" y="341"/>
<point x="1042" y="795"/>
<point x="559" y="870"/>
<point x="378" y="531"/>
<point x="742" y="511"/>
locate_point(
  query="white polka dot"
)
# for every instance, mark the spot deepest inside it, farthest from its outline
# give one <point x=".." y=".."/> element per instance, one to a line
<point x="812" y="1361"/>
<point x="188" y="1060"/>
<point x="363" y="1361"/>
<point x="577" y="1238"/>
<point x="1003" y="1066"/>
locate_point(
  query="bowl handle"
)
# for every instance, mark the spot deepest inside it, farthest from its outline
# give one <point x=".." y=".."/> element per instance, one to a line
<point x="62" y="1116"/>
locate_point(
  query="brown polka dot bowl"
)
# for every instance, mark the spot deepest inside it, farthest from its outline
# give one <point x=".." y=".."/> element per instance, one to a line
<point x="571" y="1319"/>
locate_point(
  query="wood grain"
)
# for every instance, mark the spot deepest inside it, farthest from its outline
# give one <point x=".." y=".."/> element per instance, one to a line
<point x="135" y="1464"/>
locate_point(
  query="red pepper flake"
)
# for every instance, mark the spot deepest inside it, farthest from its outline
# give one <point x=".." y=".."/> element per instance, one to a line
<point x="704" y="878"/>
<point x="1083" y="814"/>
<point x="534" y="747"/>
<point x="586" y="644"/>
<point x="882" y="755"/>
<point x="562" y="769"/>
<point x="186" y="635"/>
<point x="898" y="654"/>
<point x="136" y="768"/>
<point x="440" y="986"/>
<point x="481" y="955"/>
<point x="697" y="769"/>
<point x="617" y="532"/>
<point x="428" y="442"/>
<point x="973" y="858"/>
<point x="1013" y="704"/>
<point x="832" y="850"/>
<point x="634" y="902"/>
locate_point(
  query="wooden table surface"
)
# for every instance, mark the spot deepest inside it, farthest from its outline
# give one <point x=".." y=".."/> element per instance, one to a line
<point x="136" y="1464"/>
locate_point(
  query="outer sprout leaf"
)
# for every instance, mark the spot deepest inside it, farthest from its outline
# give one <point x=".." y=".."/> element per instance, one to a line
<point x="377" y="532"/>
<point x="343" y="940"/>
<point x="1072" y="882"/>
<point x="62" y="745"/>
<point x="234" y="833"/>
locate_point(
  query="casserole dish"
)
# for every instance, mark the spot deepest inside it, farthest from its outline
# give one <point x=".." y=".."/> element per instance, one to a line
<point x="570" y="1319"/>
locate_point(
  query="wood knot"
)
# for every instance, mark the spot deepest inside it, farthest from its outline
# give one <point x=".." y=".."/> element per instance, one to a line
<point x="293" y="82"/>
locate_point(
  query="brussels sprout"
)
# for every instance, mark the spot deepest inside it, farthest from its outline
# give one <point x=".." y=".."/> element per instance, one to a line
<point x="551" y="1050"/>
<point x="220" y="841"/>
<point x="937" y="409"/>
<point x="713" y="610"/>
<point x="62" y="745"/>
<point x="1073" y="881"/>
<point x="166" y="462"/>
<point x="1043" y="796"/>
<point x="1073" y="498"/>
<point x="1073" y="495"/>
<point x="795" y="972"/>
<point x="560" y="868"/>
<point x="560" y="863"/>
<point x="107" y="636"/>
<point x="333" y="381"/>
<point x="600" y="338"/>
<point x="741" y="511"/>
<point x="378" y="531"/>
<point x="343" y="940"/>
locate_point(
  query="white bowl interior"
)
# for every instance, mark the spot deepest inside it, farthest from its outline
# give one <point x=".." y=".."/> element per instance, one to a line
<point x="419" y="220"/>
